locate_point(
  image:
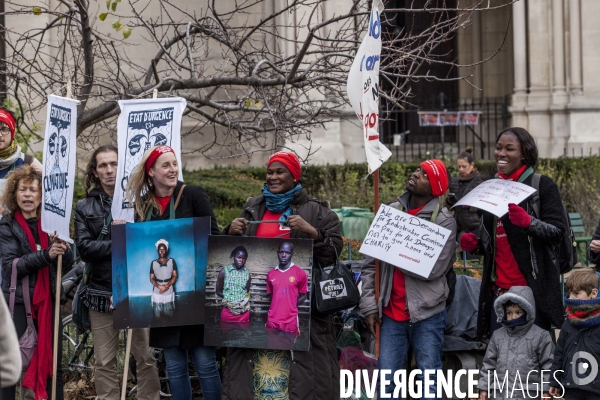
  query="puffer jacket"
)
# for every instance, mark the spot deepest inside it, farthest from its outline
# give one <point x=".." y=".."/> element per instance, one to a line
<point x="466" y="217"/>
<point x="573" y="340"/>
<point x="534" y="249"/>
<point x="425" y="297"/>
<point x="525" y="349"/>
<point x="90" y="216"/>
<point x="14" y="244"/>
<point x="313" y="374"/>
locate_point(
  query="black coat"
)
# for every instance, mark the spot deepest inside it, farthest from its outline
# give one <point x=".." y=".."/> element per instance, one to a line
<point x="571" y="341"/>
<point x="193" y="203"/>
<point x="467" y="218"/>
<point x="534" y="249"/>
<point x="14" y="244"/>
<point x="313" y="374"/>
<point x="90" y="215"/>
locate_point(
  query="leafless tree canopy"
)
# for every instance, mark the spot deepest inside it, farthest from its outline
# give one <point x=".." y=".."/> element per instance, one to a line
<point x="254" y="77"/>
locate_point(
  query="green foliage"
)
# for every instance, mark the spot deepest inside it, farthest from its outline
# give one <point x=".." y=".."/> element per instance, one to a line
<point x="228" y="189"/>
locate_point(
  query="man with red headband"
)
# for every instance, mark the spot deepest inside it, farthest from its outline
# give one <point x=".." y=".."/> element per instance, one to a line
<point x="411" y="309"/>
<point x="11" y="156"/>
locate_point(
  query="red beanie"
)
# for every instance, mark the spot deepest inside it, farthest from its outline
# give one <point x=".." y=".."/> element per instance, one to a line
<point x="10" y="121"/>
<point x="290" y="161"/>
<point x="155" y="153"/>
<point x="438" y="176"/>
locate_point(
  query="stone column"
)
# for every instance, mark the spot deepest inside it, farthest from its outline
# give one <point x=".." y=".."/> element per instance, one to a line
<point x="558" y="45"/>
<point x="520" y="47"/>
<point x="575" y="44"/>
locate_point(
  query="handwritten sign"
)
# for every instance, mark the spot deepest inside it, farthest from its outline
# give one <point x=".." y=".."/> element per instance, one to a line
<point x="494" y="196"/>
<point x="410" y="243"/>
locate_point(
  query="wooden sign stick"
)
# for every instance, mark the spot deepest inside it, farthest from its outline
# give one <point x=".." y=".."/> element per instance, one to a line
<point x="56" y="324"/>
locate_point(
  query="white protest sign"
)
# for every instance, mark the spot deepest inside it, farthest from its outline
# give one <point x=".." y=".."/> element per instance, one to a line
<point x="363" y="89"/>
<point x="144" y="123"/>
<point x="58" y="168"/>
<point x="408" y="242"/>
<point x="494" y="195"/>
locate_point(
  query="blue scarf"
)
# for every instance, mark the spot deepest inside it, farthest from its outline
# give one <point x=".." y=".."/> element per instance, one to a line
<point x="513" y="323"/>
<point x="281" y="202"/>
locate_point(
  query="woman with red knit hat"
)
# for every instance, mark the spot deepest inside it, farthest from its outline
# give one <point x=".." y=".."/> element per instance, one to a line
<point x="154" y="189"/>
<point x="520" y="249"/>
<point x="301" y="375"/>
<point x="11" y="156"/>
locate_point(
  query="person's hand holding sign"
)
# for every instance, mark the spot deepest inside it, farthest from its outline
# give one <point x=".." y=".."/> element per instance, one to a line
<point x="238" y="226"/>
<point x="469" y="242"/>
<point x="296" y="223"/>
<point x="518" y="216"/>
<point x="58" y="247"/>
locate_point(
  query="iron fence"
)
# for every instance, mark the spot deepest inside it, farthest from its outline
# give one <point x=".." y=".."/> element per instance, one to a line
<point x="401" y="133"/>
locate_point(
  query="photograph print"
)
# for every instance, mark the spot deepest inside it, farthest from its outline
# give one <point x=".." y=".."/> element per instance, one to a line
<point x="159" y="271"/>
<point x="258" y="293"/>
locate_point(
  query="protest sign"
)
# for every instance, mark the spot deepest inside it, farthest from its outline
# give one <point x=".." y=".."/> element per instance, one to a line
<point x="363" y="89"/>
<point x="408" y="242"/>
<point x="144" y="123"/>
<point x="58" y="169"/>
<point x="494" y="195"/>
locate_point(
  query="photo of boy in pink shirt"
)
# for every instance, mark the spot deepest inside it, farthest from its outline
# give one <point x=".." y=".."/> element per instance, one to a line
<point x="288" y="286"/>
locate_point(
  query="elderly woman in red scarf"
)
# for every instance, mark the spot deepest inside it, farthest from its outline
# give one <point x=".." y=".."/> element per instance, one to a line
<point x="313" y="374"/>
<point x="22" y="239"/>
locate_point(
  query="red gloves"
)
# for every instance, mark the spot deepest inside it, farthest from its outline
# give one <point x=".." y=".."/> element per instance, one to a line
<point x="518" y="216"/>
<point x="469" y="242"/>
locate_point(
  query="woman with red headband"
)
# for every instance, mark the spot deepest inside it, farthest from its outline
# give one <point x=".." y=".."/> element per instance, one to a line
<point x="11" y="156"/>
<point x="312" y="374"/>
<point x="153" y="188"/>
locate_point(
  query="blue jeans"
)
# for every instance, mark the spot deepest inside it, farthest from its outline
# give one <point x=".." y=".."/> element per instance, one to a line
<point x="205" y="362"/>
<point x="426" y="339"/>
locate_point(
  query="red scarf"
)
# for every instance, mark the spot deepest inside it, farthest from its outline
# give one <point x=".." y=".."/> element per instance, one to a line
<point x="40" y="368"/>
<point x="515" y="175"/>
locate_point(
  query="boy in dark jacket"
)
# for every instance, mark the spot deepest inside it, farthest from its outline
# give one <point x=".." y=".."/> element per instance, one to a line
<point x="575" y="368"/>
<point x="519" y="351"/>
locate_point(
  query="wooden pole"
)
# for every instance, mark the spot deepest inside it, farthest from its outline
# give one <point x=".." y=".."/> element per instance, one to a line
<point x="376" y="208"/>
<point x="56" y="323"/>
<point x="126" y="365"/>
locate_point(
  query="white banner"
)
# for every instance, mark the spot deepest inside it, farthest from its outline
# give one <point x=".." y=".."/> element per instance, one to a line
<point x="143" y="124"/>
<point x="58" y="167"/>
<point x="494" y="195"/>
<point x="363" y="89"/>
<point x="408" y="242"/>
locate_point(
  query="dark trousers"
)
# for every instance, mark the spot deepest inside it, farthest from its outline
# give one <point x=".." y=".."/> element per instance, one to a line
<point x="20" y="320"/>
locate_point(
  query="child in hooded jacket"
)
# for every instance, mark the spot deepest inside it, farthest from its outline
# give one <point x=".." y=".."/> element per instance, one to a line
<point x="519" y="351"/>
<point x="575" y="368"/>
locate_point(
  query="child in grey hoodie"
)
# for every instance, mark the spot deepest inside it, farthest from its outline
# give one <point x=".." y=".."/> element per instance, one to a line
<point x="518" y="352"/>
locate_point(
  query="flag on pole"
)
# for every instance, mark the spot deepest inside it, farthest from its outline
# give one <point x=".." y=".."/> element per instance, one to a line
<point x="144" y="123"/>
<point x="58" y="169"/>
<point x="363" y="89"/>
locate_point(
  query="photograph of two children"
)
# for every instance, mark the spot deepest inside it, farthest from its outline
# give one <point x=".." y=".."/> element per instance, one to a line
<point x="247" y="291"/>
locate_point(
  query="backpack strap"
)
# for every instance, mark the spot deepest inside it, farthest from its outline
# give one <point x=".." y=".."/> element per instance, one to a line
<point x="179" y="196"/>
<point x="25" y="290"/>
<point x="535" y="183"/>
<point x="28" y="159"/>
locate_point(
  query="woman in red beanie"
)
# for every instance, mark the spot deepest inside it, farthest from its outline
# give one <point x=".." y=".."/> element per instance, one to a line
<point x="520" y="249"/>
<point x="11" y="156"/>
<point x="312" y="374"/>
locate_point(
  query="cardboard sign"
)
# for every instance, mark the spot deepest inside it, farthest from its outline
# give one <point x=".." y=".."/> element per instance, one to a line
<point x="58" y="169"/>
<point x="408" y="242"/>
<point x="494" y="196"/>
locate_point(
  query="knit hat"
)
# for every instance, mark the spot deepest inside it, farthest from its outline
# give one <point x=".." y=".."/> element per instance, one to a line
<point x="438" y="176"/>
<point x="8" y="119"/>
<point x="289" y="160"/>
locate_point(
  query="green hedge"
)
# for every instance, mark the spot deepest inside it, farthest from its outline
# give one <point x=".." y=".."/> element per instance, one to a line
<point x="345" y="185"/>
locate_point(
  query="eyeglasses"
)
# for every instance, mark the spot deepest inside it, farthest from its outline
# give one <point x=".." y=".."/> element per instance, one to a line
<point x="5" y="131"/>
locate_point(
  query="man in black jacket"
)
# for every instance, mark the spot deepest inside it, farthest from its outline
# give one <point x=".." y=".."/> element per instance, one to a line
<point x="91" y="220"/>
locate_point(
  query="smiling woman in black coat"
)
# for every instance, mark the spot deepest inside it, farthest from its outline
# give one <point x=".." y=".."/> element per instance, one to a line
<point x="520" y="249"/>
